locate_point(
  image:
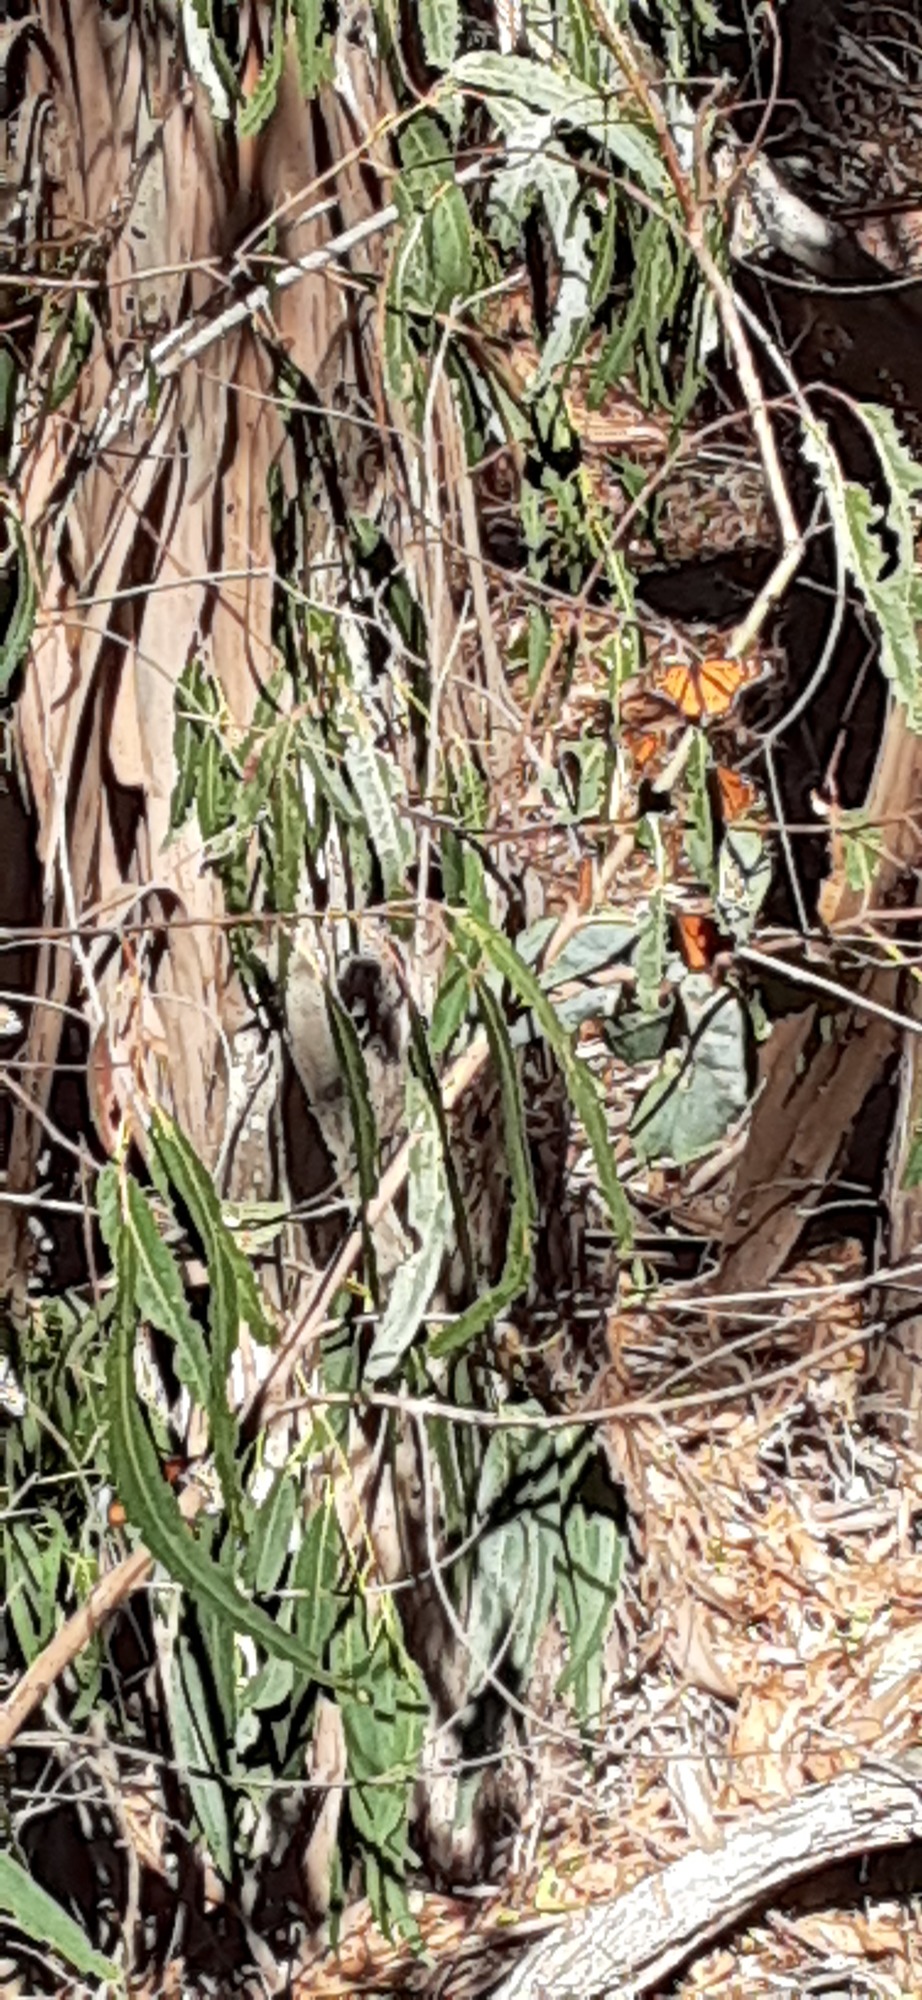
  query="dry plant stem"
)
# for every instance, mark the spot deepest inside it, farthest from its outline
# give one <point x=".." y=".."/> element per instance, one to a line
<point x="800" y="975"/>
<point x="573" y="918"/>
<point x="628" y="1947"/>
<point x="186" y="342"/>
<point x="792" y="544"/>
<point x="513" y="1419"/>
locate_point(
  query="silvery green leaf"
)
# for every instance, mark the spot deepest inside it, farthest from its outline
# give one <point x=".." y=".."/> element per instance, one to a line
<point x="512" y="81"/>
<point x="440" y="21"/>
<point x="701" y="1087"/>
<point x="865" y="534"/>
<point x="376" y="784"/>
<point x="430" y="1218"/>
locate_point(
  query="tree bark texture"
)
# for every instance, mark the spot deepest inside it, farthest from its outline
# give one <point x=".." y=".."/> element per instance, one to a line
<point x="150" y="536"/>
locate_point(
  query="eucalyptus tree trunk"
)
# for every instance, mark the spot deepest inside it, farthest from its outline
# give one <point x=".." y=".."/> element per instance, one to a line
<point x="144" y="501"/>
<point x="172" y="281"/>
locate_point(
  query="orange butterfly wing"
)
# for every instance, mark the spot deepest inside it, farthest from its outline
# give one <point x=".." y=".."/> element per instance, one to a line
<point x="704" y="690"/>
<point x="698" y="939"/>
<point x="738" y="795"/>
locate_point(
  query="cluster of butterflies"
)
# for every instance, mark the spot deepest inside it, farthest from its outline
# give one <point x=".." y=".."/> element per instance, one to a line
<point x="697" y="693"/>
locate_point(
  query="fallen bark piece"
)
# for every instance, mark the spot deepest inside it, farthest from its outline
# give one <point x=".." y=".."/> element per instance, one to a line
<point x="620" y="1950"/>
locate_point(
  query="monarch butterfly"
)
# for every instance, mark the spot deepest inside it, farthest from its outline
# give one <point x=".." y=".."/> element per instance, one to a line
<point x="704" y="690"/>
<point x="644" y="751"/>
<point x="737" y="795"/>
<point x="698" y="939"/>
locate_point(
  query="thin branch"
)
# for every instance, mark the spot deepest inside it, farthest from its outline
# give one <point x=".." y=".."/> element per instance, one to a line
<point x="130" y="397"/>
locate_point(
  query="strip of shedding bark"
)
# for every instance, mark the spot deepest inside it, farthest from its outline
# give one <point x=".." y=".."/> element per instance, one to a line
<point x="620" y="1950"/>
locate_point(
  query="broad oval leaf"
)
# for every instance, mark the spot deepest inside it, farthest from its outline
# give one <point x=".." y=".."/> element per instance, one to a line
<point x="702" y="1087"/>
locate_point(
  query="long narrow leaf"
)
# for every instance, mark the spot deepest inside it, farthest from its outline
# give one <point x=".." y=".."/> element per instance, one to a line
<point x="17" y="636"/>
<point x="39" y="1917"/>
<point x="159" y="1297"/>
<point x="361" y="1109"/>
<point x="579" y="1080"/>
<point x="149" y="1502"/>
<point x="197" y="1754"/>
<point x="429" y="1212"/>
<point x="233" y="1293"/>
<point x="440" y="21"/>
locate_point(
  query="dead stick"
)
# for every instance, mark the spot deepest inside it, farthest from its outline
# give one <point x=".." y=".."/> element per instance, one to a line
<point x="622" y="1949"/>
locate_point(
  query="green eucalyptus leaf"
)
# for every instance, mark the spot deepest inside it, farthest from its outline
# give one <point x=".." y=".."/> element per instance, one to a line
<point x="384" y="1723"/>
<point x="699" y="835"/>
<point x="257" y="790"/>
<point x="213" y="794"/>
<point x="377" y="785"/>
<point x="650" y="954"/>
<point x="159" y="1296"/>
<point x="197" y="1754"/>
<point x="538" y="644"/>
<point x="433" y="259"/>
<point x="512" y="81"/>
<point x="866" y="535"/>
<point x="912" y="1172"/>
<point x="361" y="1107"/>
<point x="460" y="1332"/>
<point x="150" y="1504"/>
<point x="185" y="1172"/>
<point x="452" y="1003"/>
<point x="17" y="603"/>
<point x="39" y="1917"/>
<point x="192" y="709"/>
<point x="429" y="1213"/>
<point x="258" y="107"/>
<point x="440" y="22"/>
<point x="289" y="838"/>
<point x="317" y="1579"/>
<point x="314" y="44"/>
<point x="81" y="329"/>
<point x="588" y="1583"/>
<point x="270" y="1536"/>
